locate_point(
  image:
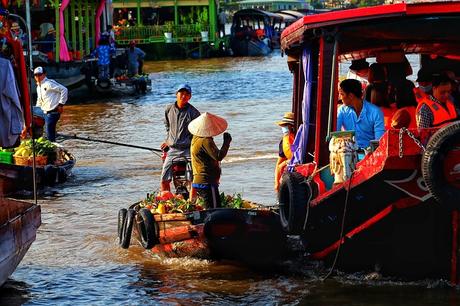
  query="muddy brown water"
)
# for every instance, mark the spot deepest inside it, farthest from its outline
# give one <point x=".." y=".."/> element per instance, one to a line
<point x="76" y="260"/>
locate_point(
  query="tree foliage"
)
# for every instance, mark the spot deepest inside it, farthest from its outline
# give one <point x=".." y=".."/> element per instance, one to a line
<point x="362" y="3"/>
<point x="319" y="4"/>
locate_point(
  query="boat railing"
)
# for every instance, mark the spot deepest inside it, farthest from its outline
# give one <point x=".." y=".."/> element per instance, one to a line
<point x="155" y="33"/>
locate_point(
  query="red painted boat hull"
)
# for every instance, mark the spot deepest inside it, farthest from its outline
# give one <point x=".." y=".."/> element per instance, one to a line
<point x="391" y="219"/>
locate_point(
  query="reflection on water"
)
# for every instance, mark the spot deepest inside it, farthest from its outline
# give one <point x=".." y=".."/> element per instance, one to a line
<point x="76" y="260"/>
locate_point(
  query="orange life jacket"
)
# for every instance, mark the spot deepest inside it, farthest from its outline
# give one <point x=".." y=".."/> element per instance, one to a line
<point x="419" y="94"/>
<point x="388" y="113"/>
<point x="288" y="140"/>
<point x="441" y="114"/>
<point x="409" y="110"/>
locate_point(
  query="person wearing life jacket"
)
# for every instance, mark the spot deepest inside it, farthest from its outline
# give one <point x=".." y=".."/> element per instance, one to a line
<point x="437" y="109"/>
<point x="455" y="94"/>
<point x="377" y="92"/>
<point x="285" y="153"/>
<point x="424" y="80"/>
<point x="406" y="105"/>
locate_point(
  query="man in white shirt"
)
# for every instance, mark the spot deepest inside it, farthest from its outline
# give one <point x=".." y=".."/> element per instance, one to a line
<point x="51" y="97"/>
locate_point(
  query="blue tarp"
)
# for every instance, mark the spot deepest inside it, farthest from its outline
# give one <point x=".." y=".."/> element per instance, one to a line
<point x="299" y="147"/>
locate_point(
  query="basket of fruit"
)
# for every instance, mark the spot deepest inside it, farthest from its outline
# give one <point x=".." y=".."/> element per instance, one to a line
<point x="40" y="160"/>
<point x="45" y="151"/>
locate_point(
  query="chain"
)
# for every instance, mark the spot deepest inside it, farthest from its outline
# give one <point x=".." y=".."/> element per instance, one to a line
<point x="401" y="132"/>
<point x="412" y="136"/>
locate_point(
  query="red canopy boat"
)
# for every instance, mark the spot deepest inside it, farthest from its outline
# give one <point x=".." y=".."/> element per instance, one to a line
<point x="399" y="210"/>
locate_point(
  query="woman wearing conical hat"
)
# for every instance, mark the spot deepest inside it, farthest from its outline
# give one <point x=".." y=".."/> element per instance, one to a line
<point x="206" y="156"/>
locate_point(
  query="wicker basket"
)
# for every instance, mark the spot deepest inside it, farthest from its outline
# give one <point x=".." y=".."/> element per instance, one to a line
<point x="40" y="160"/>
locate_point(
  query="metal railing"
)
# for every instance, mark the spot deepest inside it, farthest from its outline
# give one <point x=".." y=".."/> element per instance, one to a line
<point x="155" y="33"/>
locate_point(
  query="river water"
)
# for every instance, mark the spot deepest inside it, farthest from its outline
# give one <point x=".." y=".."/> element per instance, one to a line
<point x="76" y="260"/>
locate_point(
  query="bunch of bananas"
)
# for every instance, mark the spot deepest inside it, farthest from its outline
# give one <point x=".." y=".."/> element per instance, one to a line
<point x="43" y="147"/>
<point x="24" y="149"/>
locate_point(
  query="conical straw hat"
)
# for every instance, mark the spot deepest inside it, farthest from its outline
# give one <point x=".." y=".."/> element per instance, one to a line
<point x="207" y="125"/>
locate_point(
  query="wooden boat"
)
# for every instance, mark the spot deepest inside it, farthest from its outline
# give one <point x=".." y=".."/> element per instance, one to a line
<point x="399" y="210"/>
<point x="252" y="32"/>
<point x="140" y="84"/>
<point x="19" y="177"/>
<point x="119" y="82"/>
<point x="53" y="52"/>
<point x="251" y="236"/>
<point x="19" y="222"/>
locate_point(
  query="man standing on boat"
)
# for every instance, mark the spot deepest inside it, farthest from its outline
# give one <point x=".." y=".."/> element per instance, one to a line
<point x="178" y="138"/>
<point x="103" y="52"/>
<point x="222" y="21"/>
<point x="135" y="59"/>
<point x="51" y="97"/>
<point x="359" y="115"/>
<point x="436" y="109"/>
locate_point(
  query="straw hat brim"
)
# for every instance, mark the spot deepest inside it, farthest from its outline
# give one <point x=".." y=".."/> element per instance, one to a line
<point x="207" y="125"/>
<point x="285" y="122"/>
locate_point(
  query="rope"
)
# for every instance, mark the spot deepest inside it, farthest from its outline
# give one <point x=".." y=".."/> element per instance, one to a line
<point x="341" y="231"/>
<point x="308" y="181"/>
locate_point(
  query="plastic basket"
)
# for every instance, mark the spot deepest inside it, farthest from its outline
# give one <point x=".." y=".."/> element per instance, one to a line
<point x="28" y="161"/>
<point x="6" y="157"/>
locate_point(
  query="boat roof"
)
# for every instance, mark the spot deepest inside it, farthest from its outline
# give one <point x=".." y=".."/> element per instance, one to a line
<point x="287" y="17"/>
<point x="411" y="27"/>
<point x="256" y="12"/>
<point x="296" y="14"/>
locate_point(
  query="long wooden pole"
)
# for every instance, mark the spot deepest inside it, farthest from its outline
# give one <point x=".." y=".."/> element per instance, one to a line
<point x="80" y="26"/>
<point x="29" y="79"/>
<point x="87" y="29"/>
<point x="73" y="27"/>
<point x="58" y="31"/>
<point x="109" y="142"/>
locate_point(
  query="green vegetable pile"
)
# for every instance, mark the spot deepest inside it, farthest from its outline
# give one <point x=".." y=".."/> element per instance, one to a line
<point x="235" y="201"/>
<point x="43" y="147"/>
